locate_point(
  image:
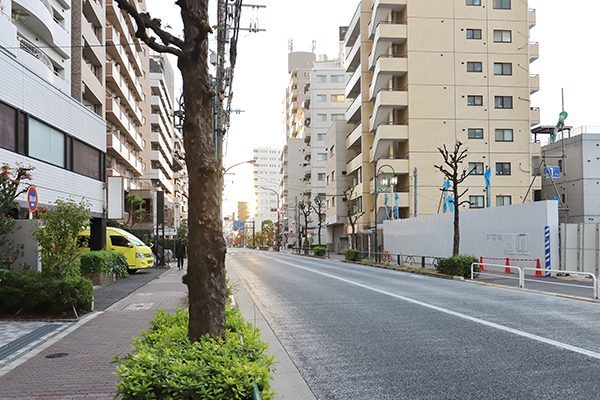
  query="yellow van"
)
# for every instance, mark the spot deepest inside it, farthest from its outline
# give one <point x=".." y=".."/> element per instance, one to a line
<point x="138" y="255"/>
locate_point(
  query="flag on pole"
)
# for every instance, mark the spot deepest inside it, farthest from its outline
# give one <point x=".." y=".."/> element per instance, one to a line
<point x="561" y="123"/>
<point x="451" y="203"/>
<point x="446" y="187"/>
<point x="487" y="175"/>
<point x="397" y="213"/>
<point x="386" y="206"/>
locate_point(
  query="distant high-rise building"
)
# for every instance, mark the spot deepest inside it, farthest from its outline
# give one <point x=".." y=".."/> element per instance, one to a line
<point x="267" y="176"/>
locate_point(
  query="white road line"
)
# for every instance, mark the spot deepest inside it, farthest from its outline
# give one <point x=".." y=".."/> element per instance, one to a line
<point x="456" y="314"/>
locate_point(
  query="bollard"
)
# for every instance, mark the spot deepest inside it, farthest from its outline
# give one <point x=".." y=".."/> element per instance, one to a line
<point x="423" y="262"/>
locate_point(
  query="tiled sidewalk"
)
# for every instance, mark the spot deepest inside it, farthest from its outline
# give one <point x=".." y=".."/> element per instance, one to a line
<point x="86" y="372"/>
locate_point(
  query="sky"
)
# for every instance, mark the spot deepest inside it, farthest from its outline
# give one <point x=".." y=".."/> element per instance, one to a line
<point x="567" y="32"/>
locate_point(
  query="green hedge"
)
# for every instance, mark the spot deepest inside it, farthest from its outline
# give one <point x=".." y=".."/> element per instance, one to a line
<point x="459" y="265"/>
<point x="104" y="261"/>
<point x="351" y="254"/>
<point x="165" y="365"/>
<point x="320" y="251"/>
<point x="30" y="292"/>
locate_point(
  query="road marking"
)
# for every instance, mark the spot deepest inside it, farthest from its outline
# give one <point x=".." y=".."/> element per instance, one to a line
<point x="456" y="314"/>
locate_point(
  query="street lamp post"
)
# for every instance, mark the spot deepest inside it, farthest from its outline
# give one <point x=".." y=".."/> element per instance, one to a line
<point x="278" y="225"/>
<point x="393" y="180"/>
<point x="243" y="162"/>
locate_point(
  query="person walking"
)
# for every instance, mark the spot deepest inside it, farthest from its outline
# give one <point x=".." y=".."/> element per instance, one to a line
<point x="180" y="254"/>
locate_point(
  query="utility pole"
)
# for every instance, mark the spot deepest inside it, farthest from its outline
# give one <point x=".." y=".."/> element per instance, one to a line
<point x="416" y="198"/>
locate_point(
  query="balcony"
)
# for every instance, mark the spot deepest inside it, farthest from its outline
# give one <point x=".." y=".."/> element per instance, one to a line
<point x="93" y="48"/>
<point x="124" y="155"/>
<point x="535" y="116"/>
<point x="387" y="101"/>
<point x="385" y="135"/>
<point x="116" y="115"/>
<point x="158" y="156"/>
<point x="354" y="164"/>
<point x="534" y="83"/>
<point x="381" y="9"/>
<point x="400" y="165"/>
<point x="387" y="67"/>
<point x="353" y="85"/>
<point x="159" y="176"/>
<point x="353" y="139"/>
<point x="38" y="18"/>
<point x="307" y="171"/>
<point x="8" y="39"/>
<point x="93" y="10"/>
<point x="534" y="51"/>
<point x="385" y="35"/>
<point x="62" y="39"/>
<point x="532" y="17"/>
<point x="35" y="58"/>
<point x="353" y="56"/>
<point x="353" y="112"/>
<point x="353" y="33"/>
<point x="96" y="88"/>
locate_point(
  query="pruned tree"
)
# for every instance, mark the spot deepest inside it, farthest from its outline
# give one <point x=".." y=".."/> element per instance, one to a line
<point x="352" y="210"/>
<point x="135" y="211"/>
<point x="456" y="175"/>
<point x="267" y="227"/>
<point x="206" y="258"/>
<point x="319" y="208"/>
<point x="10" y="188"/>
<point x="305" y="207"/>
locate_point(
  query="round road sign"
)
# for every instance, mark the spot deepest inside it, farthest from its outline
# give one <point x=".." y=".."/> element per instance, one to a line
<point x="32" y="199"/>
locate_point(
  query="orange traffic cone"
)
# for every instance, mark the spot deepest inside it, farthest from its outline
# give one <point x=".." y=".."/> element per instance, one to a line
<point x="480" y="263"/>
<point x="538" y="268"/>
<point x="507" y="270"/>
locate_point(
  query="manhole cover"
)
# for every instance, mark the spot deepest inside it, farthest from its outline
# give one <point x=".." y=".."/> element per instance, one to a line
<point x="139" y="306"/>
<point x="57" y="355"/>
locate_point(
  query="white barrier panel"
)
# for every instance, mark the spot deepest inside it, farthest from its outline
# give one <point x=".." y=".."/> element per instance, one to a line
<point x="520" y="231"/>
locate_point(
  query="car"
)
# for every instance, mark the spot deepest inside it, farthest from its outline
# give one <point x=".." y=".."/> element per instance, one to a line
<point x="136" y="252"/>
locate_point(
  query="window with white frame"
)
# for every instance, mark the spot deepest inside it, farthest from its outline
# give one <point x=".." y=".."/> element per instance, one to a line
<point x="504" y="135"/>
<point x="474" y="100"/>
<point x="335" y="117"/>
<point x="475" y="133"/>
<point x="474" y="66"/>
<point x="321" y="98"/>
<point x="473" y="33"/>
<point x="502" y="4"/>
<point x="320" y="136"/>
<point x="503" y="101"/>
<point x="502" y="36"/>
<point x="502" y="68"/>
<point x="46" y="143"/>
<point x="321" y="117"/>
<point x="321" y="78"/>
<point x="503" y="201"/>
<point x="502" y="168"/>
<point x="476" y="201"/>
<point x="337" y="78"/>
<point x="321" y="176"/>
<point x="322" y="156"/>
<point x="336" y="98"/>
<point x="476" y="168"/>
<point x="473" y="2"/>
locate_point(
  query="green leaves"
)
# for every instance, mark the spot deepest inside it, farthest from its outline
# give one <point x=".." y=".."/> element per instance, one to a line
<point x="459" y="265"/>
<point x="166" y="365"/>
<point x="104" y="261"/>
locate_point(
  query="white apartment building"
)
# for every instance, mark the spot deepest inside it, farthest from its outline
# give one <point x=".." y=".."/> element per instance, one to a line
<point x="267" y="176"/>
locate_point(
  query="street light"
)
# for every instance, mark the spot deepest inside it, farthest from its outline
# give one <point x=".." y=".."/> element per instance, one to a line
<point x="243" y="162"/>
<point x="386" y="189"/>
<point x="278" y="224"/>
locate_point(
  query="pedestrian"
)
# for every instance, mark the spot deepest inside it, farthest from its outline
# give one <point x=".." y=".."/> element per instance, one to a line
<point x="180" y="254"/>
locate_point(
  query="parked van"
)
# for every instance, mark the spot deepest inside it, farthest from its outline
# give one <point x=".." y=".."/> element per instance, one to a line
<point x="138" y="255"/>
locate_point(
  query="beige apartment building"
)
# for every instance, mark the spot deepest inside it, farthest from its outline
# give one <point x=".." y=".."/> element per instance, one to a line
<point x="428" y="73"/>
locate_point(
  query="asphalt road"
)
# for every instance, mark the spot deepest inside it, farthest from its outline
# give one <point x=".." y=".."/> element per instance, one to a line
<point x="356" y="332"/>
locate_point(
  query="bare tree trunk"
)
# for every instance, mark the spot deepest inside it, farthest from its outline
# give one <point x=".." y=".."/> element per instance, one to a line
<point x="206" y="258"/>
<point x="456" y="241"/>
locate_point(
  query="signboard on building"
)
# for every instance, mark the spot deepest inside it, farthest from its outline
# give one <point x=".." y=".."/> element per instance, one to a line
<point x="552" y="172"/>
<point x="238" y="225"/>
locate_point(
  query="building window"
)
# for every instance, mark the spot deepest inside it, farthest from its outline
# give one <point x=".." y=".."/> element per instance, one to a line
<point x="474" y="100"/>
<point x="336" y="98"/>
<point x="333" y="202"/>
<point x="321" y="98"/>
<point x="473" y="33"/>
<point x="473" y="2"/>
<point x="502" y="168"/>
<point x="320" y="136"/>
<point x="502" y="4"/>
<point x="474" y="66"/>
<point x="503" y="102"/>
<point x="8" y="127"/>
<point x="321" y="78"/>
<point x="476" y="168"/>
<point x="321" y="117"/>
<point x="322" y="156"/>
<point x="475" y="133"/>
<point x="87" y="160"/>
<point x="337" y="78"/>
<point x="476" y="201"/>
<point x="321" y="176"/>
<point x="502" y="69"/>
<point x="359" y="205"/>
<point x="331" y="151"/>
<point x="503" y="201"/>
<point x="335" y="117"/>
<point x="504" y="135"/>
<point x="502" y="37"/>
<point x="46" y="143"/>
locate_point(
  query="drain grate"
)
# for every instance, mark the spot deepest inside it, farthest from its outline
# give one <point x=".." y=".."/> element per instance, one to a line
<point x="24" y="340"/>
<point x="57" y="355"/>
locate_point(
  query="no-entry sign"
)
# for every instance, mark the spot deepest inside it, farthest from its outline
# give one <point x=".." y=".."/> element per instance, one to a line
<point x="32" y="199"/>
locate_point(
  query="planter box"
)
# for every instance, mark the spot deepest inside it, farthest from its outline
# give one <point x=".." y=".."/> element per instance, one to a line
<point x="101" y="278"/>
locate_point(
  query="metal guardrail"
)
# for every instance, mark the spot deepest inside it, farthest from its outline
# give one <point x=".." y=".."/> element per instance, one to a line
<point x="523" y="269"/>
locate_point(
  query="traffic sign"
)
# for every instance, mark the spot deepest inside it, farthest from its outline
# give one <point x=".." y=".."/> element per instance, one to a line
<point x="384" y="190"/>
<point x="238" y="225"/>
<point x="552" y="172"/>
<point x="32" y="199"/>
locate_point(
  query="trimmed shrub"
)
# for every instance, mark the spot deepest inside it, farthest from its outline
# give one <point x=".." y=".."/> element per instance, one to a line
<point x="104" y="261"/>
<point x="165" y="365"/>
<point x="30" y="292"/>
<point x="351" y="255"/>
<point x="320" y="251"/>
<point x="459" y="265"/>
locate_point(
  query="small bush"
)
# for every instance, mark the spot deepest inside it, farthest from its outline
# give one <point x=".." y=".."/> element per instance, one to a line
<point x="43" y="294"/>
<point x="459" y="265"/>
<point x="351" y="255"/>
<point x="320" y="251"/>
<point x="104" y="261"/>
<point x="165" y="365"/>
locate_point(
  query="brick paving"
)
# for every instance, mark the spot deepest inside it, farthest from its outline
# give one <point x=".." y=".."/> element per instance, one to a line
<point x="86" y="372"/>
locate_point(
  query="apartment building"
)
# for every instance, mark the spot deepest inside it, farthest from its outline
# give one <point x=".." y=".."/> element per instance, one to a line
<point x="41" y="125"/>
<point x="267" y="176"/>
<point x="429" y="73"/>
<point x="127" y="102"/>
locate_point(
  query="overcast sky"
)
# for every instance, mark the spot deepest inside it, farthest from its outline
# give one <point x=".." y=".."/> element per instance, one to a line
<point x="567" y="32"/>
